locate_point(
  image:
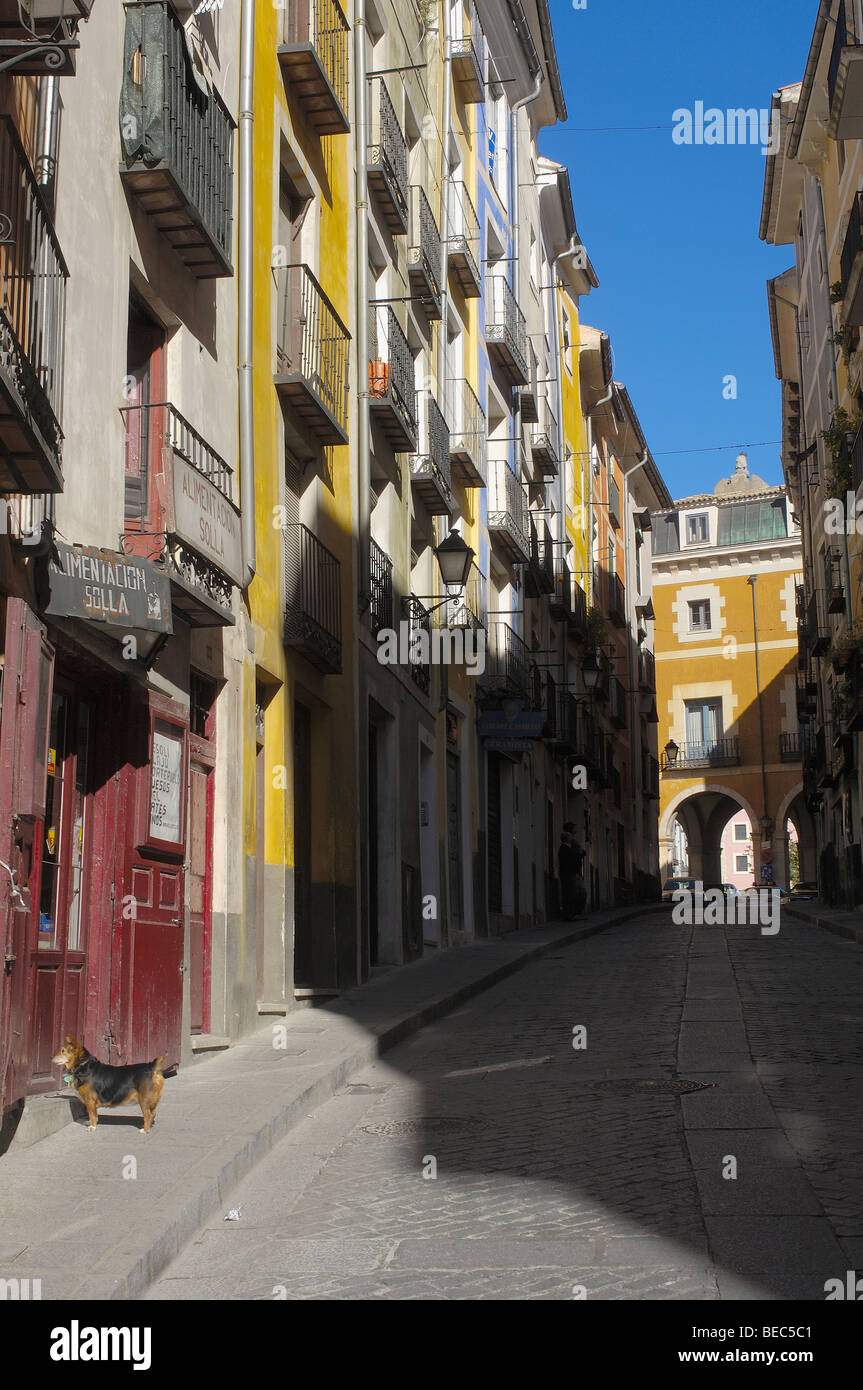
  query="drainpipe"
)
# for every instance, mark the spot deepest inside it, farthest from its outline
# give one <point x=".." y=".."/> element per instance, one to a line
<point x="364" y="517"/>
<point x="634" y="768"/>
<point x="446" y="185"/>
<point x="245" y="290"/>
<point x="752" y="580"/>
<point x="516" y="203"/>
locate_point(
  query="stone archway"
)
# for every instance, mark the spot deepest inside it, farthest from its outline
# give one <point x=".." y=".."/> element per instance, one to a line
<point x="794" y="808"/>
<point x="704" y="813"/>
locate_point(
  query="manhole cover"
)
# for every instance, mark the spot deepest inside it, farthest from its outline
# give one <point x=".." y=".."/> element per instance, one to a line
<point x="426" y="1124"/>
<point x="673" y="1085"/>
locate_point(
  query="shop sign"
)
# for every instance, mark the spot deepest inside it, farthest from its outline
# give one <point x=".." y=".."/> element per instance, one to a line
<point x="104" y="586"/>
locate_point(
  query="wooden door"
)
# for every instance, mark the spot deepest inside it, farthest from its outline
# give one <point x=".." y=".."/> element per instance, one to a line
<point x="200" y="890"/>
<point x="26" y="680"/>
<point x="306" y="976"/>
<point x="453" y="824"/>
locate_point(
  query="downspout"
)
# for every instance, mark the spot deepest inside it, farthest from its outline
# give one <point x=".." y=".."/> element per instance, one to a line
<point x="364" y="516"/>
<point x="444" y="221"/>
<point x="245" y="290"/>
<point x="752" y="580"/>
<point x="516" y="205"/>
<point x="634" y="725"/>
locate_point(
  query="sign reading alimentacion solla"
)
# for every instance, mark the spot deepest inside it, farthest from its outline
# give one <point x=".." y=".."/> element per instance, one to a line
<point x="105" y="586"/>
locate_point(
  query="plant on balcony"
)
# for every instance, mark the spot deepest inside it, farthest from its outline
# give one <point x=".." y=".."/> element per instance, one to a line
<point x="836" y="437"/>
<point x="595" y="628"/>
<point x="845" y="652"/>
<point x="846" y="338"/>
<point x="843" y="702"/>
<point x="837" y="294"/>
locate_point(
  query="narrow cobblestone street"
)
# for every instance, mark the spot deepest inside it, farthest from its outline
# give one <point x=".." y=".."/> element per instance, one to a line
<point x="565" y="1172"/>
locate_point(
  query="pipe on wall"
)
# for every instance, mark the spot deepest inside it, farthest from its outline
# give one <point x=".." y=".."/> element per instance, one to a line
<point x="245" y="290"/>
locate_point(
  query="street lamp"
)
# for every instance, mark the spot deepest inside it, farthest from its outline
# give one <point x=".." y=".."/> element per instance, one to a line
<point x="671" y="752"/>
<point x="455" y="558"/>
<point x="590" y="671"/>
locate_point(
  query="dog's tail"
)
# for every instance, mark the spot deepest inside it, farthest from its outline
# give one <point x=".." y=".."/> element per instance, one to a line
<point x="157" y="1065"/>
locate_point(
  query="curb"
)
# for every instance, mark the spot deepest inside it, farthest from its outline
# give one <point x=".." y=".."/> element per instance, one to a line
<point x="191" y="1213"/>
<point x="834" y="926"/>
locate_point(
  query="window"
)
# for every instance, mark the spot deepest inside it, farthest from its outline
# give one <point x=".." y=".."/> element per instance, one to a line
<point x="741" y="831"/>
<point x="752" y="521"/>
<point x="741" y="863"/>
<point x="697" y="529"/>
<point x="699" y="615"/>
<point x="703" y="727"/>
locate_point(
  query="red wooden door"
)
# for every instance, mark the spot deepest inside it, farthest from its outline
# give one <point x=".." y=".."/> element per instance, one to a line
<point x="149" y="920"/>
<point x="200" y="891"/>
<point x="25" y="699"/>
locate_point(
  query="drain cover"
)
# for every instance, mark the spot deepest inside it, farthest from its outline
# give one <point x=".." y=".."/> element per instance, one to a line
<point x="426" y="1124"/>
<point x="672" y="1085"/>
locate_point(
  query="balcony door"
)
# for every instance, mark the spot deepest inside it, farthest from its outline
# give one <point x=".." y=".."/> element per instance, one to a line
<point x="144" y="387"/>
<point x="703" y="727"/>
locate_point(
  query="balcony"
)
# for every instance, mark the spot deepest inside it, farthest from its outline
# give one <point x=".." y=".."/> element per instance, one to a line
<point x="509" y="666"/>
<point x="857" y="461"/>
<point x="381" y="589"/>
<point x="539" y="577"/>
<point x="392" y="394"/>
<point x="312" y="362"/>
<point x="507" y="514"/>
<point x="388" y="161"/>
<point x="177" y="141"/>
<point x="430" y="475"/>
<point x="41" y="38"/>
<point x="852" y="267"/>
<point x="614" y="511"/>
<point x="793" y="748"/>
<point x="313" y="616"/>
<point x="578" y="617"/>
<point x="463" y="241"/>
<point x="723" y="752"/>
<point x="616" y="601"/>
<point x="467" y="438"/>
<point x="425" y="256"/>
<point x="419" y="620"/>
<point x="180" y="512"/>
<point x="544" y="443"/>
<point x="646" y="670"/>
<point x="33" y="278"/>
<point x="617" y="703"/>
<point x="845" y="83"/>
<point x="465" y="55"/>
<point x="315" y="61"/>
<point x="505" y="331"/>
<point x="650" y="776"/>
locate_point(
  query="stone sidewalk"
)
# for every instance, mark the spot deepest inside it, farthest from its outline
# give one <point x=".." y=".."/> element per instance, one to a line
<point x="99" y="1215"/>
<point x="835" y="920"/>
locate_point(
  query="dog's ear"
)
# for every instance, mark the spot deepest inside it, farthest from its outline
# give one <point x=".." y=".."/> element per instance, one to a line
<point x="69" y="1037"/>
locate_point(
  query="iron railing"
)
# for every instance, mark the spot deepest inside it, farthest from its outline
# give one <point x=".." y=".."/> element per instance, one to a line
<point x="390" y="154"/>
<point x="33" y="278"/>
<point x="167" y="116"/>
<point x="544" y="442"/>
<point x="322" y="23"/>
<point x="650" y="775"/>
<point x="430" y="469"/>
<point x="419" y="620"/>
<point x="646" y="669"/>
<point x="617" y="702"/>
<point x="505" y="324"/>
<point x="463" y="234"/>
<point x="381" y="589"/>
<point x="507" y="505"/>
<point x="391" y="370"/>
<point x="853" y="242"/>
<point x="312" y="341"/>
<point x="468" y="437"/>
<point x="840" y="41"/>
<point x="163" y="422"/>
<point x="467" y="607"/>
<point x="425" y="254"/>
<point x="509" y="661"/>
<point x="720" y="752"/>
<point x="857" y="460"/>
<point x="616" y="600"/>
<point x="313" y="616"/>
<point x="578" y="617"/>
<point x="543" y="558"/>
<point x="613" y="501"/>
<point x="794" y="747"/>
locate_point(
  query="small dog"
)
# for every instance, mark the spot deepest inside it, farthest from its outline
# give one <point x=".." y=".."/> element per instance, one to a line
<point x="98" y="1084"/>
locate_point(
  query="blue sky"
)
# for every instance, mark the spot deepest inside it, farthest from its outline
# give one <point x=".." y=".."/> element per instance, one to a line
<point x="672" y="230"/>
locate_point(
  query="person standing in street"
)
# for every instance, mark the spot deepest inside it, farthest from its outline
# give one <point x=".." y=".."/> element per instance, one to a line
<point x="570" y="859"/>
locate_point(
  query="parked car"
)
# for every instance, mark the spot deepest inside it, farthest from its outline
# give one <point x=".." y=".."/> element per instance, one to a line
<point x="803" y="892"/>
<point x="673" y="885"/>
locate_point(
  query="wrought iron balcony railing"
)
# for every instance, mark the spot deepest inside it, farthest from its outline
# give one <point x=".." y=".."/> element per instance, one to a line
<point x="505" y="331"/>
<point x="616" y="600"/>
<point x="578" y="617"/>
<point x="180" y="510"/>
<point x="388" y="161"/>
<point x="617" y="703"/>
<point x="177" y="141"/>
<point x="392" y="393"/>
<point x="314" y="55"/>
<point x="419" y="619"/>
<point x="793" y="748"/>
<point x="539" y="578"/>
<point x="381" y="589"/>
<point x="509" y="665"/>
<point x="857" y="460"/>
<point x="646" y="669"/>
<point x="720" y="752"/>
<point x="614" y="512"/>
<point x="463" y="240"/>
<point x="425" y="256"/>
<point x="467" y="437"/>
<point x="430" y="469"/>
<point x="33" y="278"/>
<point x="650" y="776"/>
<point x="38" y="38"/>
<point x="852" y="267"/>
<point x="313" y="611"/>
<point x="845" y="79"/>
<point x="544" y="442"/>
<point x="312" y="359"/>
<point x="468" y="607"/>
<point x="466" y="58"/>
<point x="508" y="514"/>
